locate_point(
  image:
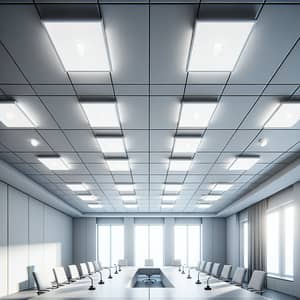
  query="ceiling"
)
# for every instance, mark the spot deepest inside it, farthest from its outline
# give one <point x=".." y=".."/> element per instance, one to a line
<point x="149" y="45"/>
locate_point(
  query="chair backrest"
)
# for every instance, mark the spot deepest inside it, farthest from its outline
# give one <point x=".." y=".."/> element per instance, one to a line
<point x="97" y="266"/>
<point x="239" y="275"/>
<point x="208" y="267"/>
<point x="42" y="281"/>
<point x="257" y="280"/>
<point x="122" y="262"/>
<point x="74" y="272"/>
<point x="202" y="265"/>
<point x="149" y="262"/>
<point x="225" y="274"/>
<point x="60" y="275"/>
<point x="84" y="270"/>
<point x="91" y="267"/>
<point x="177" y="262"/>
<point x="215" y="270"/>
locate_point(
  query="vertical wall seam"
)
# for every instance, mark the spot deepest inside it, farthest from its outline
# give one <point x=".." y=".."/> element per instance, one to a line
<point x="7" y="240"/>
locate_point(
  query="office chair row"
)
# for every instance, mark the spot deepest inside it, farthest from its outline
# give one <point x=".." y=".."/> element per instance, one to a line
<point x="255" y="284"/>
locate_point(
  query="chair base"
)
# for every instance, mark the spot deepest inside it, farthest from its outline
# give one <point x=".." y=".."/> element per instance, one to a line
<point x="198" y="282"/>
<point x="207" y="288"/>
<point x="92" y="288"/>
<point x="101" y="282"/>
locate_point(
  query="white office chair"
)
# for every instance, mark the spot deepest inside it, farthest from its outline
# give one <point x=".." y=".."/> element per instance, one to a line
<point x="84" y="270"/>
<point x="225" y="274"/>
<point x="239" y="276"/>
<point x="207" y="268"/>
<point x="97" y="266"/>
<point x="60" y="276"/>
<point x="202" y="266"/>
<point x="74" y="273"/>
<point x="42" y="281"/>
<point x="149" y="262"/>
<point x="91" y="268"/>
<point x="215" y="270"/>
<point x="257" y="281"/>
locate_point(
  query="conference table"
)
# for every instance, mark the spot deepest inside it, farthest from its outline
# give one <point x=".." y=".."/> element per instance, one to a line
<point x="120" y="287"/>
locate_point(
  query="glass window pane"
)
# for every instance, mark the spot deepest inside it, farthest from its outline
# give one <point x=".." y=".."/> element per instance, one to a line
<point x="273" y="242"/>
<point x="104" y="245"/>
<point x="289" y="240"/>
<point x="193" y="245"/>
<point x="156" y="244"/>
<point x="117" y="243"/>
<point x="180" y="243"/>
<point x="245" y="244"/>
<point x="141" y="244"/>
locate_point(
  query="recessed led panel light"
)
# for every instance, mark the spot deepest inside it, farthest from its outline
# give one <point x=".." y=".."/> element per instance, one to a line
<point x="130" y="206"/>
<point x="96" y="205"/>
<point x="55" y="163"/>
<point x="211" y="197"/>
<point x="287" y="115"/>
<point x="169" y="198"/>
<point x="186" y="145"/>
<point x="115" y="165"/>
<point x="216" y="46"/>
<point x="203" y="205"/>
<point x="243" y="163"/>
<point x="169" y="205"/>
<point x="126" y="188"/>
<point x="88" y="197"/>
<point x="129" y="198"/>
<point x="179" y="165"/>
<point x="12" y="115"/>
<point x="34" y="142"/>
<point x="220" y="187"/>
<point x="171" y="187"/>
<point x="81" y="46"/>
<point x="77" y="187"/>
<point x="111" y="144"/>
<point x="101" y="114"/>
<point x="196" y="114"/>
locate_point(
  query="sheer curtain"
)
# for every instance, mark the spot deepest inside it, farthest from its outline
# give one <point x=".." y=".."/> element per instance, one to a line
<point x="257" y="237"/>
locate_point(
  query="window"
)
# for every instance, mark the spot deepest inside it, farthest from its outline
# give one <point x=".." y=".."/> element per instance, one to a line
<point x="245" y="244"/>
<point x="110" y="244"/>
<point x="148" y="244"/>
<point x="280" y="242"/>
<point x="187" y="244"/>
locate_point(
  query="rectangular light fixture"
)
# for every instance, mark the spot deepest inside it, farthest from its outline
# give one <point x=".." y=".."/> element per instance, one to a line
<point x="196" y="114"/>
<point x="172" y="188"/>
<point x="77" y="187"/>
<point x="179" y="164"/>
<point x="221" y="187"/>
<point x="243" y="163"/>
<point x="167" y="205"/>
<point x="203" y="205"/>
<point x="186" y="144"/>
<point x="12" y="115"/>
<point x="54" y="163"/>
<point x="95" y="205"/>
<point x="125" y="188"/>
<point x="118" y="165"/>
<point x="169" y="198"/>
<point x="111" y="144"/>
<point x="129" y="198"/>
<point x="101" y="114"/>
<point x="211" y="197"/>
<point x="131" y="206"/>
<point x="80" y="45"/>
<point x="216" y="46"/>
<point x="88" y="197"/>
<point x="287" y="115"/>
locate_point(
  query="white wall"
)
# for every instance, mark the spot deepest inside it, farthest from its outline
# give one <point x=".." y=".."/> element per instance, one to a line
<point x="32" y="236"/>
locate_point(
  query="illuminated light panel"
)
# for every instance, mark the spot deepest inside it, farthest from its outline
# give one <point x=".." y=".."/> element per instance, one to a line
<point x="118" y="165"/>
<point x="203" y="205"/>
<point x="188" y="145"/>
<point x="167" y="205"/>
<point x="221" y="187"/>
<point x="169" y="198"/>
<point x="216" y="46"/>
<point x="179" y="165"/>
<point x="126" y="188"/>
<point x="211" y="197"/>
<point x="196" y="114"/>
<point x="287" y="115"/>
<point x="81" y="45"/>
<point x="131" y="205"/>
<point x="12" y="115"/>
<point x="88" y="197"/>
<point x="77" y="187"/>
<point x="173" y="188"/>
<point x="242" y="163"/>
<point x="34" y="142"/>
<point x="54" y="163"/>
<point x="111" y="144"/>
<point x="96" y="205"/>
<point x="101" y="114"/>
<point x="129" y="198"/>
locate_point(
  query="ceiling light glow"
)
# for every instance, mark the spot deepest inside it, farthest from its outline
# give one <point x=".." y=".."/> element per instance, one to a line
<point x="111" y="144"/>
<point x="203" y="205"/>
<point x="96" y="205"/>
<point x="186" y="145"/>
<point x="179" y="165"/>
<point x="127" y="188"/>
<point x="88" y="197"/>
<point x="54" y="163"/>
<point x="211" y="197"/>
<point x="242" y="163"/>
<point x="118" y="165"/>
<point x="221" y="187"/>
<point x="77" y="187"/>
